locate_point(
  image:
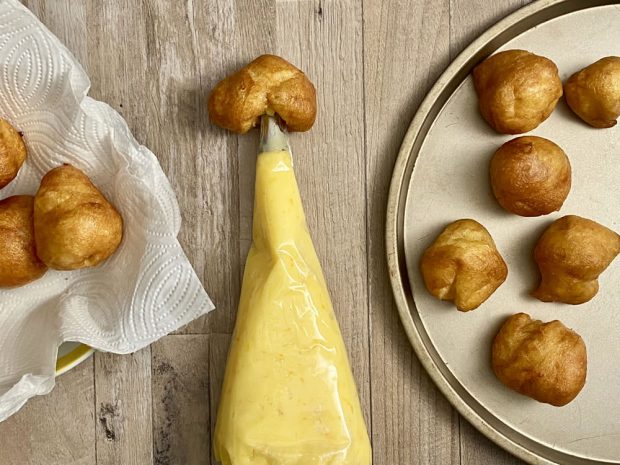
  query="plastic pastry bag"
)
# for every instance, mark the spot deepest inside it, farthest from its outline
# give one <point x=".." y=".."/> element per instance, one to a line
<point x="288" y="397"/>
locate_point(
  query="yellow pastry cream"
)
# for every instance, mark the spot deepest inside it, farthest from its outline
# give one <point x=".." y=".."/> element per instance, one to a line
<point x="288" y="396"/>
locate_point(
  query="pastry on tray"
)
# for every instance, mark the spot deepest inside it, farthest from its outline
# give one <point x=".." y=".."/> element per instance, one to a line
<point x="463" y="265"/>
<point x="530" y="176"/>
<point x="267" y="85"/>
<point x="19" y="263"/>
<point x="594" y="92"/>
<point x="545" y="361"/>
<point x="75" y="226"/>
<point x="12" y="152"/>
<point x="571" y="254"/>
<point x="517" y="90"/>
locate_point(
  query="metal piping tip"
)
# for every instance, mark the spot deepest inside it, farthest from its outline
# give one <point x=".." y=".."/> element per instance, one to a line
<point x="273" y="134"/>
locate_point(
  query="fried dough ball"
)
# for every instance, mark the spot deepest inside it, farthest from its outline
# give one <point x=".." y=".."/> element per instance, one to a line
<point x="571" y="254"/>
<point x="530" y="176"/>
<point x="463" y="265"/>
<point x="544" y="361"/>
<point x="267" y="85"/>
<point x="12" y="152"/>
<point x="517" y="90"/>
<point x="19" y="263"/>
<point x="74" y="225"/>
<point x="594" y="92"/>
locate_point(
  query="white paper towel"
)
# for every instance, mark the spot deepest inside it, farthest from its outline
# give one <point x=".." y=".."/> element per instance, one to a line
<point x="147" y="288"/>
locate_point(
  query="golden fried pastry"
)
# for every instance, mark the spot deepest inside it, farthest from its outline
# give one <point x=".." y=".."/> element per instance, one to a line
<point x="19" y="264"/>
<point x="517" y="90"/>
<point x="74" y="225"/>
<point x="571" y="254"/>
<point x="12" y="152"/>
<point x="268" y="85"/>
<point x="545" y="361"/>
<point x="463" y="265"/>
<point x="594" y="92"/>
<point x="530" y="176"/>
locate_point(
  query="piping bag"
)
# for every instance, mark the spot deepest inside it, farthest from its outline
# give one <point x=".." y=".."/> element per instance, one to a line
<point x="289" y="397"/>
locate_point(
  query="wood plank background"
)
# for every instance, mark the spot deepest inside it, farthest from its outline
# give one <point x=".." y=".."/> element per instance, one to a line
<point x="155" y="61"/>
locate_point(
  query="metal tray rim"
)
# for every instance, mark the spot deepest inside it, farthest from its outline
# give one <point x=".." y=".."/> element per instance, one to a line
<point x="506" y="29"/>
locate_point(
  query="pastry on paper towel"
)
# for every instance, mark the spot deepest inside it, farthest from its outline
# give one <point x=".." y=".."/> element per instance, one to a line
<point x="12" y="152"/>
<point x="74" y="224"/>
<point x="19" y="263"/>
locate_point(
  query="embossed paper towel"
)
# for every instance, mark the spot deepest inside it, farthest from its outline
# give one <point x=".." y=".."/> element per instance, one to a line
<point x="147" y="288"/>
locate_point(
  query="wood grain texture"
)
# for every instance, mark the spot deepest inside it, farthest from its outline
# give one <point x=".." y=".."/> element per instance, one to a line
<point x="56" y="429"/>
<point x="477" y="449"/>
<point x="67" y="20"/>
<point x="155" y="62"/>
<point x="181" y="421"/>
<point x="199" y="45"/>
<point x="123" y="408"/>
<point x="470" y="18"/>
<point x="405" y="48"/>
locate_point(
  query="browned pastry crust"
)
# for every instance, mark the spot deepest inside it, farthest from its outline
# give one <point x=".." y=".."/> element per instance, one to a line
<point x="517" y="90"/>
<point x="19" y="264"/>
<point x="530" y="176"/>
<point x="571" y="254"/>
<point x="268" y="85"/>
<point x="74" y="225"/>
<point x="12" y="152"/>
<point x="545" y="361"/>
<point x="594" y="92"/>
<point x="463" y="265"/>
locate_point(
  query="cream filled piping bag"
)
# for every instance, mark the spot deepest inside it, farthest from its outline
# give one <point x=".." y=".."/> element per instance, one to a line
<point x="288" y="396"/>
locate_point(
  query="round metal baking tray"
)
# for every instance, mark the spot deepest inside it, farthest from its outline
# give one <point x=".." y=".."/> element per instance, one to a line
<point x="462" y="397"/>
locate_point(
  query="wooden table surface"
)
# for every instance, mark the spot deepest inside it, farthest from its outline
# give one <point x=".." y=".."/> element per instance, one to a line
<point x="155" y="61"/>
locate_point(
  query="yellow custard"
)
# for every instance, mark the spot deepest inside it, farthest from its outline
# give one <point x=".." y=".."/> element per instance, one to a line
<point x="288" y="397"/>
